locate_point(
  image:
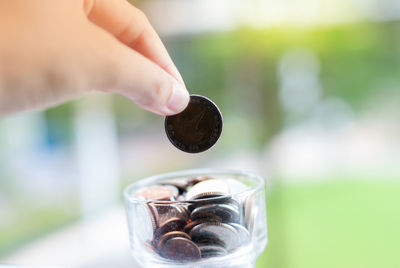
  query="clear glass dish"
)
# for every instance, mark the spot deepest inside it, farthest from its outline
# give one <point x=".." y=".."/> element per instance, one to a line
<point x="241" y="245"/>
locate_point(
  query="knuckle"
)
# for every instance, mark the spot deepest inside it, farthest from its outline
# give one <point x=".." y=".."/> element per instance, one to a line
<point x="133" y="28"/>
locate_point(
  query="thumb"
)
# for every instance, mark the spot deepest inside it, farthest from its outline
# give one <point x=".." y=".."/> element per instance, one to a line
<point x="117" y="68"/>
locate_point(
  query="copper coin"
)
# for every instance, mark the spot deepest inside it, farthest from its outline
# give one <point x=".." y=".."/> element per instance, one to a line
<point x="158" y="192"/>
<point x="180" y="249"/>
<point x="168" y="211"/>
<point x="170" y="235"/>
<point x="172" y="224"/>
<point x="197" y="128"/>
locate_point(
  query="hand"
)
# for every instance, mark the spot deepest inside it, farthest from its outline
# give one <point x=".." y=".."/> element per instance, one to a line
<point x="53" y="51"/>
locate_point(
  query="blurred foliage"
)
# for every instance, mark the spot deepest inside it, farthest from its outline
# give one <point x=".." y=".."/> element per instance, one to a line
<point x="340" y="223"/>
<point x="238" y="70"/>
<point x="31" y="224"/>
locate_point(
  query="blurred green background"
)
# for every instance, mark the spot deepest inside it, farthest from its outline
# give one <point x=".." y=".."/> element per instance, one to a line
<point x="314" y="107"/>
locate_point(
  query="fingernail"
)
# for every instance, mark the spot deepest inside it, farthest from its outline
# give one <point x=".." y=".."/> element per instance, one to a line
<point x="179" y="98"/>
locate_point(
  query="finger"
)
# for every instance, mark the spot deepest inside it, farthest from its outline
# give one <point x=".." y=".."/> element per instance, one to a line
<point x="115" y="67"/>
<point x="129" y="25"/>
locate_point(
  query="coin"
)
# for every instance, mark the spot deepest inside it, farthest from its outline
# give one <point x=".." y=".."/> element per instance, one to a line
<point x="170" y="235"/>
<point x="207" y="188"/>
<point x="197" y="128"/>
<point x="172" y="224"/>
<point x="244" y="235"/>
<point x="211" y="250"/>
<point x="192" y="224"/>
<point x="180" y="249"/>
<point x="166" y="211"/>
<point x="220" y="212"/>
<point x="144" y="216"/>
<point x="210" y="199"/>
<point x="158" y="192"/>
<point x="216" y="233"/>
<point x="250" y="212"/>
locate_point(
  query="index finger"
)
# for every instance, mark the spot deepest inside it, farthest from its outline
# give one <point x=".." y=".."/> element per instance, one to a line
<point x="131" y="26"/>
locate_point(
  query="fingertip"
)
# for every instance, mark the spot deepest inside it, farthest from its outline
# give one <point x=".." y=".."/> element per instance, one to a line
<point x="178" y="99"/>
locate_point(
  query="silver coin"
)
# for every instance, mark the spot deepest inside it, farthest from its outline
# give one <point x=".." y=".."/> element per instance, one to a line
<point x="216" y="233"/>
<point x="211" y="250"/>
<point x="208" y="187"/>
<point x="244" y="235"/>
<point x="144" y="219"/>
<point x="250" y="212"/>
<point x="222" y="212"/>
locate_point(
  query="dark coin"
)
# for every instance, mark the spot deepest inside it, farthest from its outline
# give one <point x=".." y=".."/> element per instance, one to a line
<point x="211" y="250"/>
<point x="170" y="235"/>
<point x="197" y="128"/>
<point x="221" y="212"/>
<point x="180" y="249"/>
<point x="172" y="224"/>
<point x="168" y="211"/>
<point x="216" y="233"/>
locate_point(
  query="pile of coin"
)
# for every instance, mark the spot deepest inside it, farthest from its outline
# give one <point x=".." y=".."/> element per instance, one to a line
<point x="207" y="222"/>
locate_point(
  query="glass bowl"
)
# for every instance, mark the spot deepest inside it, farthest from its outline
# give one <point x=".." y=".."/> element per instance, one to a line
<point x="197" y="218"/>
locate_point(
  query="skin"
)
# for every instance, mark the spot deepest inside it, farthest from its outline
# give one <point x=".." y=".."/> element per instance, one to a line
<point x="55" y="51"/>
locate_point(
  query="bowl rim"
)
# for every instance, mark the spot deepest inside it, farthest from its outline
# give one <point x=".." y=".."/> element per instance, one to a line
<point x="191" y="172"/>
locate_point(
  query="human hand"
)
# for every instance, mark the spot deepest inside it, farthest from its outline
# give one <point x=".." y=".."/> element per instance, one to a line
<point x="54" y="51"/>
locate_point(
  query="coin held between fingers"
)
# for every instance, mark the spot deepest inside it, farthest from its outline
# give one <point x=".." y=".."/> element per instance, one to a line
<point x="197" y="128"/>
